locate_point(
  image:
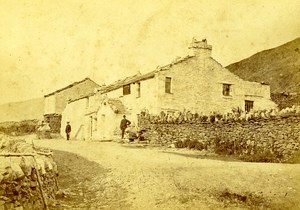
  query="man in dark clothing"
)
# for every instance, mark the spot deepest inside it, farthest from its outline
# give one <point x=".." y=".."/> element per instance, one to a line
<point x="68" y="130"/>
<point x="123" y="125"/>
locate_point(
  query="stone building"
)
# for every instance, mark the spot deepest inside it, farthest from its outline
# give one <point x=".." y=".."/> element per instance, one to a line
<point x="196" y="83"/>
<point x="92" y="117"/>
<point x="56" y="102"/>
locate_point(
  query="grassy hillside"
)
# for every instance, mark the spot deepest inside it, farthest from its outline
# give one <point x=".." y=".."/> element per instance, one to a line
<point x="23" y="110"/>
<point x="280" y="67"/>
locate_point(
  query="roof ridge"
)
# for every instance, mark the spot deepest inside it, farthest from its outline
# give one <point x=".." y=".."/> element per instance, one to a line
<point x="141" y="76"/>
<point x="71" y="85"/>
<point x="138" y="76"/>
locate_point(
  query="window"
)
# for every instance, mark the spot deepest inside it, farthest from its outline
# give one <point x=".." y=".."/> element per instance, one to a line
<point x="226" y="89"/>
<point x="138" y="87"/>
<point x="168" y="85"/>
<point x="126" y="90"/>
<point x="248" y="106"/>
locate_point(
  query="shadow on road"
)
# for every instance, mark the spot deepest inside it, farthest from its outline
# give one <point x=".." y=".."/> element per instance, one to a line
<point x="83" y="186"/>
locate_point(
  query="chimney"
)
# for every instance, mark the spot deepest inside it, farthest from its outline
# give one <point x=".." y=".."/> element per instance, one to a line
<point x="201" y="48"/>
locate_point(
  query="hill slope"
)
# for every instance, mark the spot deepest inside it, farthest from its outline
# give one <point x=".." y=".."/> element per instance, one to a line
<point x="23" y="110"/>
<point x="279" y="66"/>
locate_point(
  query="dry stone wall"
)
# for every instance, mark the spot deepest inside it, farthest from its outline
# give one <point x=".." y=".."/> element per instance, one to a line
<point x="19" y="128"/>
<point x="27" y="175"/>
<point x="273" y="139"/>
<point x="285" y="100"/>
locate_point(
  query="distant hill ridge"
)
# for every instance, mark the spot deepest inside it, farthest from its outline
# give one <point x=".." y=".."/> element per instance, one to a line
<point x="22" y="110"/>
<point x="279" y="67"/>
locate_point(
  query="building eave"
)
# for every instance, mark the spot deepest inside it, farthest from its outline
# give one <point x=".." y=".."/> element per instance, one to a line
<point x="71" y="85"/>
<point x="138" y="78"/>
<point x="133" y="79"/>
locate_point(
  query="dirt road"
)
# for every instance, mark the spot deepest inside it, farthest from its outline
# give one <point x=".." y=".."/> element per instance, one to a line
<point x="151" y="178"/>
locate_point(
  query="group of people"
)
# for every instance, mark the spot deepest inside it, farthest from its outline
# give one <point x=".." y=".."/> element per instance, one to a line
<point x="43" y="130"/>
<point x="123" y="126"/>
<point x="133" y="132"/>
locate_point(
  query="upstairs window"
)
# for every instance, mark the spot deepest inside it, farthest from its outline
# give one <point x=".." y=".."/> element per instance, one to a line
<point x="248" y="106"/>
<point x="126" y="90"/>
<point x="226" y="89"/>
<point x="168" y="84"/>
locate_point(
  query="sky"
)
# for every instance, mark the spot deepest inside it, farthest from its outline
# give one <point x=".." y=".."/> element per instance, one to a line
<point x="48" y="44"/>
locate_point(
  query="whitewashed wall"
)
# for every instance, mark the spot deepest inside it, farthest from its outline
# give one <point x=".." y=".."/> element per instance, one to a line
<point x="197" y="85"/>
<point x="75" y="114"/>
<point x="49" y="104"/>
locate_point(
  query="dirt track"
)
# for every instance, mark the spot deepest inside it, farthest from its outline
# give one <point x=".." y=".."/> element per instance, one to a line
<point x="133" y="177"/>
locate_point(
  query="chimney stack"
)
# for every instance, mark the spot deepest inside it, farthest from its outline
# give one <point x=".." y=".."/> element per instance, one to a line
<point x="201" y="48"/>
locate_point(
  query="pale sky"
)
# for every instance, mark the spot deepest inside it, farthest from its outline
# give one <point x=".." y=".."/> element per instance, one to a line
<point x="48" y="44"/>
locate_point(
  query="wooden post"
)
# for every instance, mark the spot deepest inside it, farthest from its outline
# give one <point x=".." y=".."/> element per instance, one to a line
<point x="36" y="171"/>
<point x="40" y="184"/>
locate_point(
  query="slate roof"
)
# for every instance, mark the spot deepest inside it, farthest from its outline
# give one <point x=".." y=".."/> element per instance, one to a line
<point x="117" y="106"/>
<point x="71" y="85"/>
<point x="134" y="78"/>
<point x="140" y="77"/>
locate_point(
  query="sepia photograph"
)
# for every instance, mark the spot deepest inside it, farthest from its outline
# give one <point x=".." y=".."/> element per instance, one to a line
<point x="153" y="104"/>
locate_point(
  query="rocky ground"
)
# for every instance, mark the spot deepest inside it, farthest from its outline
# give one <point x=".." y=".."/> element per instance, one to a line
<point x="109" y="175"/>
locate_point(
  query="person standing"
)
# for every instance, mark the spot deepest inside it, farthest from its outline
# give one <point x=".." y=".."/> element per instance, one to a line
<point x="68" y="130"/>
<point x="123" y="125"/>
